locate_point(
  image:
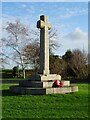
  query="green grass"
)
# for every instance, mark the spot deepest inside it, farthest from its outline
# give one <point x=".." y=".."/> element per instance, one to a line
<point x="45" y="106"/>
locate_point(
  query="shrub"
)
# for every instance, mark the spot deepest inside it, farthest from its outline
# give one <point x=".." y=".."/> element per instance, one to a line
<point x="15" y="71"/>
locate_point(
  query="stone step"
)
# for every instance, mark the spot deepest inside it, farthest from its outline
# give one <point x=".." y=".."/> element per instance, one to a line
<point x="43" y="91"/>
<point x="38" y="84"/>
<point x="40" y="77"/>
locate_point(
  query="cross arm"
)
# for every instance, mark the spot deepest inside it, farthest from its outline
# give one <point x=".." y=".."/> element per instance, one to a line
<point x="40" y="24"/>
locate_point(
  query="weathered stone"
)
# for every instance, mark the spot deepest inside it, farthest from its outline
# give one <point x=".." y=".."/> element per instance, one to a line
<point x="42" y="83"/>
<point x="44" y="25"/>
<point x="48" y="77"/>
<point x="43" y="91"/>
<point x="74" y="89"/>
<point x="39" y="84"/>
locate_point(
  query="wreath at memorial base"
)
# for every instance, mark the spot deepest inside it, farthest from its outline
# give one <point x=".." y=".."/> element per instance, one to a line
<point x="58" y="83"/>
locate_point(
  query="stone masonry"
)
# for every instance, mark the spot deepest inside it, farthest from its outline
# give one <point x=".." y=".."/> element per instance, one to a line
<point x="42" y="83"/>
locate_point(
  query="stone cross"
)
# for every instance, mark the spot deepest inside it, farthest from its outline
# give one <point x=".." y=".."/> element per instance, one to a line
<point x="44" y="26"/>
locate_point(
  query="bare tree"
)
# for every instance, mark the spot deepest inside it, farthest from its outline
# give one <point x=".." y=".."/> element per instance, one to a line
<point x="53" y="38"/>
<point x="23" y="44"/>
<point x="31" y="51"/>
<point x="3" y="59"/>
<point x="16" y="39"/>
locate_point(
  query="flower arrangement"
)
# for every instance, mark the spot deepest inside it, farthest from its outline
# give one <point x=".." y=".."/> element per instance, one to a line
<point x="58" y="83"/>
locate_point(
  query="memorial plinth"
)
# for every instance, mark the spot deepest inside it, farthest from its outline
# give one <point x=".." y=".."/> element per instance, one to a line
<point x="43" y="83"/>
<point x="48" y="77"/>
<point x="43" y="91"/>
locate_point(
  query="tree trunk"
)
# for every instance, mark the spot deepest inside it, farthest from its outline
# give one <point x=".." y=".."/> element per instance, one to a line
<point x="24" y="76"/>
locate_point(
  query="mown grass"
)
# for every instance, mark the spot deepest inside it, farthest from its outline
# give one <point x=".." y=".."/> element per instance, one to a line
<point x="45" y="106"/>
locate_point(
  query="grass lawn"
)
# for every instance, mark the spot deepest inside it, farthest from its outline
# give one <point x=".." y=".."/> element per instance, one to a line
<point x="73" y="105"/>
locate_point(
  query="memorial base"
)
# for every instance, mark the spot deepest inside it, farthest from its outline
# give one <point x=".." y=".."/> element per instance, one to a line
<point x="40" y="77"/>
<point x="41" y="85"/>
<point x="43" y="91"/>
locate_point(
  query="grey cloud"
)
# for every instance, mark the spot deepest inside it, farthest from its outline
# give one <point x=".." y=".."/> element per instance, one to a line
<point x="77" y="34"/>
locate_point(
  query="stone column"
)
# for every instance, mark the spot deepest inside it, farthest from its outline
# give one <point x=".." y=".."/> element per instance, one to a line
<point x="44" y="26"/>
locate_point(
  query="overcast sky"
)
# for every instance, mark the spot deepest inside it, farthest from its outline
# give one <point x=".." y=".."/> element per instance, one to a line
<point x="69" y="18"/>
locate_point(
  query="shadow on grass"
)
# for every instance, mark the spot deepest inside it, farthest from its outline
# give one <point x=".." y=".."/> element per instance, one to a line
<point x="7" y="93"/>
